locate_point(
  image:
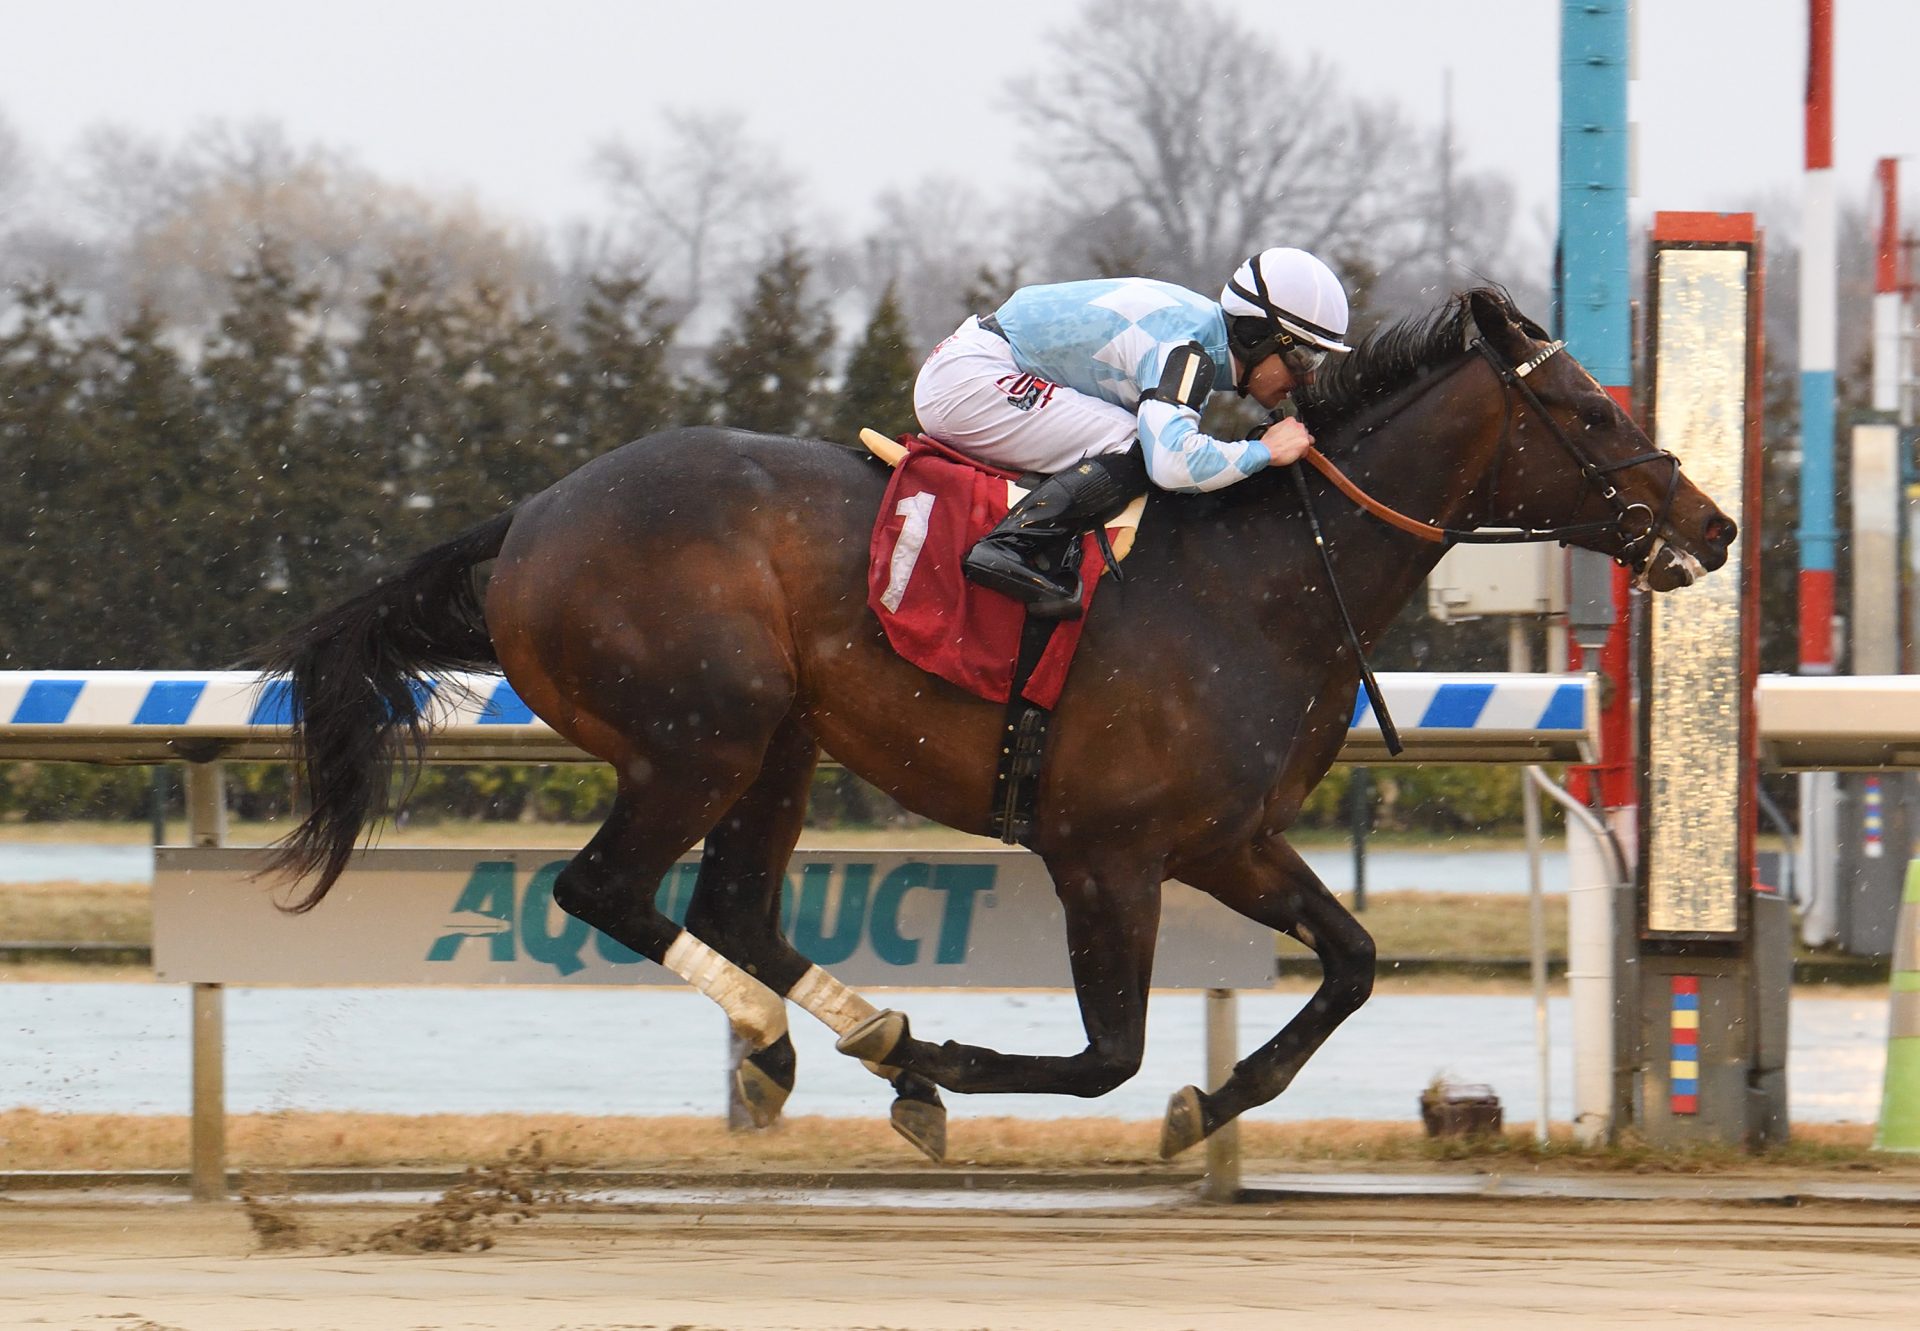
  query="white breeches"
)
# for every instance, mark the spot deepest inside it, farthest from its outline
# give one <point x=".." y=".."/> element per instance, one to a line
<point x="970" y="395"/>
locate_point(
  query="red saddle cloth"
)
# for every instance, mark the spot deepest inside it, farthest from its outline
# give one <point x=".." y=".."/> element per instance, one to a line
<point x="937" y="505"/>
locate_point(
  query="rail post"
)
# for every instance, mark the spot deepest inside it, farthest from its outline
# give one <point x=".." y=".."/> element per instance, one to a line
<point x="1222" y="1183"/>
<point x="207" y="826"/>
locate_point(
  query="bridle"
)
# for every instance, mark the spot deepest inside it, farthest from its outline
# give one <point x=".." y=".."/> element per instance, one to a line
<point x="1636" y="522"/>
<point x="1593" y="475"/>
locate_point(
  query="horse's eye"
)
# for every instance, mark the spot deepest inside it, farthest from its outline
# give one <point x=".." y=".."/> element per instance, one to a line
<point x="1595" y="418"/>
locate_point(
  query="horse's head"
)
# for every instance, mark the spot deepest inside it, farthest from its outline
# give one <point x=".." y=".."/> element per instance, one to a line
<point x="1573" y="457"/>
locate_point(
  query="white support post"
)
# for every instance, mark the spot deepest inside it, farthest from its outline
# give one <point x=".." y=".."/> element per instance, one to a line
<point x="209" y="1126"/>
<point x="1537" y="950"/>
<point x="1816" y="862"/>
<point x="1874" y="622"/>
<point x="1222" y="1183"/>
<point x="1597" y="880"/>
<point x="207" y="826"/>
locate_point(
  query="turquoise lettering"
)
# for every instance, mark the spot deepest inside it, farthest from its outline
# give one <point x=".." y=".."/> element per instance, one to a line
<point x="810" y="935"/>
<point x="675" y="892"/>
<point x="962" y="883"/>
<point x="488" y="895"/>
<point x="884" y="928"/>
<point x="562" y="950"/>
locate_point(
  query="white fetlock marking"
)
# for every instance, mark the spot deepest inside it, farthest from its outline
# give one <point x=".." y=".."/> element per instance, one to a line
<point x="755" y="1010"/>
<point x="837" y="1006"/>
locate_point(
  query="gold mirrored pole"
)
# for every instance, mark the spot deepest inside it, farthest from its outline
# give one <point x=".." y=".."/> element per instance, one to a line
<point x="1696" y="733"/>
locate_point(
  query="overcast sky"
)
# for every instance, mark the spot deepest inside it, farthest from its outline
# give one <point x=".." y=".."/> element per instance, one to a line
<point x="507" y="100"/>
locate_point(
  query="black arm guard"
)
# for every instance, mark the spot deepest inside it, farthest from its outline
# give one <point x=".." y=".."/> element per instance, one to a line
<point x="1187" y="379"/>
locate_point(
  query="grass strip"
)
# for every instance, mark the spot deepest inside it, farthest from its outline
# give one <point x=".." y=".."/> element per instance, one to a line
<point x="33" y="1140"/>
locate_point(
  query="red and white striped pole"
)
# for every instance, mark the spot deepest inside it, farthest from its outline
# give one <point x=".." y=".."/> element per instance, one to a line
<point x="1818" y="339"/>
<point x="1817" y="862"/>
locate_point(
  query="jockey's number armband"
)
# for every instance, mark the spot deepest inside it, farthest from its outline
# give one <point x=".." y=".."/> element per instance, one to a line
<point x="1187" y="379"/>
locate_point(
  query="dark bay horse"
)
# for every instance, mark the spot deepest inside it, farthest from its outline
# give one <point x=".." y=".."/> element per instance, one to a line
<point x="692" y="610"/>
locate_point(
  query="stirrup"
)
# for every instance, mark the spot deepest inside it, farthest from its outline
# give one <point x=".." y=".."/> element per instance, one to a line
<point x="992" y="566"/>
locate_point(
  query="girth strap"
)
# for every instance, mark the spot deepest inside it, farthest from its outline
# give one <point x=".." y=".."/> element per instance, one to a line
<point x="1023" y="741"/>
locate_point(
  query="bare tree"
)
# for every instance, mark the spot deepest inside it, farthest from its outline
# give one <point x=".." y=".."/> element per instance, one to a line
<point x="930" y="244"/>
<point x="179" y="218"/>
<point x="1181" y="157"/>
<point x="700" y="203"/>
<point x="15" y="174"/>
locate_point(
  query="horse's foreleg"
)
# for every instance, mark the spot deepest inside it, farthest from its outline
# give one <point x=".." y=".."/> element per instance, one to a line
<point x="736" y="909"/>
<point x="1268" y="882"/>
<point x="1112" y="926"/>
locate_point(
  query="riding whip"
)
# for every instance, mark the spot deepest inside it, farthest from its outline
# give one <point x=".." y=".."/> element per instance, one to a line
<point x="1388" y="731"/>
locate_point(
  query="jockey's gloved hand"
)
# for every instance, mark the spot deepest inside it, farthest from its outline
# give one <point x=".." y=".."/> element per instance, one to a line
<point x="1285" y="411"/>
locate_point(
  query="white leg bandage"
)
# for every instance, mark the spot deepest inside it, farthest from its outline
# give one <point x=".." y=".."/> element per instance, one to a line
<point x="838" y="1008"/>
<point x="756" y="1012"/>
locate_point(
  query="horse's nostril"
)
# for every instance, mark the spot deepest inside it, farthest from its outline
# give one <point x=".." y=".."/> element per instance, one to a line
<point x="1722" y="531"/>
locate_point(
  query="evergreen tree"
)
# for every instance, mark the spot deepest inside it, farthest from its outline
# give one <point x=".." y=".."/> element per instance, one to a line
<point x="988" y="289"/>
<point x="400" y="399"/>
<point x="46" y="535"/>
<point x="290" y="511"/>
<point x="619" y="386"/>
<point x="148" y="471"/>
<point x="767" y="368"/>
<point x="505" y="369"/>
<point x="877" y="389"/>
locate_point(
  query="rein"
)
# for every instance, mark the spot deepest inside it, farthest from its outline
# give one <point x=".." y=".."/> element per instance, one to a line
<point x="1593" y="473"/>
<point x="1514" y="376"/>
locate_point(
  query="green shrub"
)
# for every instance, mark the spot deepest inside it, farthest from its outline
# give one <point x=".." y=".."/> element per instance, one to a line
<point x="1432" y="799"/>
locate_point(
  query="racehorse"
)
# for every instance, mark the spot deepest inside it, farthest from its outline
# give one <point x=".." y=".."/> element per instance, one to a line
<point x="691" y="608"/>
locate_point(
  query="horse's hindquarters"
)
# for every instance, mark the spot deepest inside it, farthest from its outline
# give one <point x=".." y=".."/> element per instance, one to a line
<point x="645" y="624"/>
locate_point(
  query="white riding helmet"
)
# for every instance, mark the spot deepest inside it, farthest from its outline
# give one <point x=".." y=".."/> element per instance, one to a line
<point x="1280" y="299"/>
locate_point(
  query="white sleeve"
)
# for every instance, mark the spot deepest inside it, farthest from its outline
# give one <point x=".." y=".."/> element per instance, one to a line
<point x="1179" y="457"/>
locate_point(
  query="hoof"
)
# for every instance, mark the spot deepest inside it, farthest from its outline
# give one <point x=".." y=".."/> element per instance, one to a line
<point x="924" y="1123"/>
<point x="875" y="1038"/>
<point x="760" y="1092"/>
<point x="1185" y="1125"/>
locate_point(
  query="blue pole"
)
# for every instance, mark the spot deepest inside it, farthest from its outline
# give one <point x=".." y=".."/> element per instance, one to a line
<point x="1593" y="297"/>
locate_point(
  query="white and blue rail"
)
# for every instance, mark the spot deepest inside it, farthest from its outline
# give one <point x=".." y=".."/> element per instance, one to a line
<point x="125" y="716"/>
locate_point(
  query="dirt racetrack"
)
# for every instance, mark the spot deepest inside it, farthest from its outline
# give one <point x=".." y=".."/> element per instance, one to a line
<point x="171" y="1266"/>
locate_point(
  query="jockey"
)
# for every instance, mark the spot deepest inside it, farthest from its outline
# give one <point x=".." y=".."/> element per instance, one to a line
<point x="1065" y="379"/>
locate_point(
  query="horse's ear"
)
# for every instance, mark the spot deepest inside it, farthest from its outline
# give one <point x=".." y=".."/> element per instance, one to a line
<point x="1491" y="318"/>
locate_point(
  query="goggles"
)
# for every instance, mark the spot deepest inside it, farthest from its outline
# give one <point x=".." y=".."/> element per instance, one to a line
<point x="1301" y="358"/>
<point x="1253" y="339"/>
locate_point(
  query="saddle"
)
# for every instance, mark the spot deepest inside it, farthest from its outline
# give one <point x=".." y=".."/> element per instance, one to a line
<point x="1121" y="529"/>
<point x="938" y="503"/>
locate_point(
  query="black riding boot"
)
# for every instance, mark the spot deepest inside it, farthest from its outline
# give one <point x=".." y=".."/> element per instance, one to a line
<point x="1032" y="555"/>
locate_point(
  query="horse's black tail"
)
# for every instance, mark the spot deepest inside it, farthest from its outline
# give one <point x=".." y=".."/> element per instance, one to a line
<point x="357" y="676"/>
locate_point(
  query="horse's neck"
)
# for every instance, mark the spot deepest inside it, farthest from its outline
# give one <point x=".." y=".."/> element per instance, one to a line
<point x="1430" y="462"/>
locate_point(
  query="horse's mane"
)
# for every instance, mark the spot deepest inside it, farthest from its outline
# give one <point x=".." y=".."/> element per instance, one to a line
<point x="1392" y="357"/>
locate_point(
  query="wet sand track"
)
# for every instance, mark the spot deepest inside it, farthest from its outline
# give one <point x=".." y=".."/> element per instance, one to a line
<point x="171" y="1266"/>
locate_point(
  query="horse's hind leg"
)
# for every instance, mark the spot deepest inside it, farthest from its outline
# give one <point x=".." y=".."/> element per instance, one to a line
<point x="736" y="909"/>
<point x="1268" y="882"/>
<point x="612" y="882"/>
<point x="1112" y="919"/>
